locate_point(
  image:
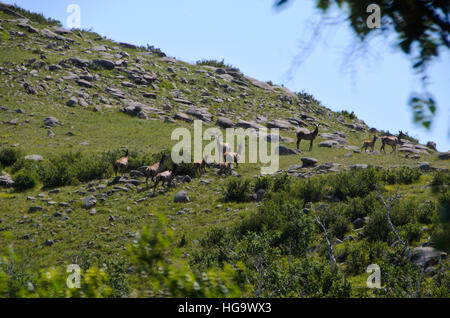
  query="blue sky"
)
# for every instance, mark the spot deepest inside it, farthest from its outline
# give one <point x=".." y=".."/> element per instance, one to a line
<point x="263" y="42"/>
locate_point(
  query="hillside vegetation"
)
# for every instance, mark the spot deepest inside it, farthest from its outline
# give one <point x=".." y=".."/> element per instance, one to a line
<point x="72" y="100"/>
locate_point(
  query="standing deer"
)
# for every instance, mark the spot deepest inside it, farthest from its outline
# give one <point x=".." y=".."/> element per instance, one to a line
<point x="233" y="156"/>
<point x="391" y="141"/>
<point x="153" y="170"/>
<point x="305" y="134"/>
<point x="369" y="144"/>
<point x="122" y="163"/>
<point x="165" y="178"/>
<point x="222" y="147"/>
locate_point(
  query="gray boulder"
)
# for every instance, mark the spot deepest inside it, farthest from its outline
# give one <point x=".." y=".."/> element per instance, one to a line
<point x="444" y="155"/>
<point x="182" y="197"/>
<point x="309" y="162"/>
<point x="426" y="256"/>
<point x="51" y="122"/>
<point x="6" y="181"/>
<point x="285" y="151"/>
<point x="224" y="122"/>
<point x="89" y="202"/>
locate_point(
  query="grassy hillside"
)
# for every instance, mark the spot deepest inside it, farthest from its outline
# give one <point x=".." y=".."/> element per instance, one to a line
<point x="104" y="95"/>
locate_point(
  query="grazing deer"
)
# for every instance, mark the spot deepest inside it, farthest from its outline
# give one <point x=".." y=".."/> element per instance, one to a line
<point x="122" y="163"/>
<point x="233" y="156"/>
<point x="369" y="144"/>
<point x="391" y="141"/>
<point x="305" y="134"/>
<point x="225" y="168"/>
<point x="200" y="166"/>
<point x="152" y="171"/>
<point x="165" y="178"/>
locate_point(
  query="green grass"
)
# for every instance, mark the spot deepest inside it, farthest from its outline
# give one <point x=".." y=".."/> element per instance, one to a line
<point x="88" y="239"/>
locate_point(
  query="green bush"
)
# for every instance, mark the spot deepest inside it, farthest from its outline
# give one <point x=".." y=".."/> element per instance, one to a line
<point x="404" y="212"/>
<point x="9" y="156"/>
<point x="348" y="114"/>
<point x="311" y="190"/>
<point x="411" y="232"/>
<point x="441" y="179"/>
<point x="215" y="63"/>
<point x="74" y="167"/>
<point x="237" y="190"/>
<point x="441" y="236"/>
<point x="25" y="180"/>
<point x="362" y="207"/>
<point x="282" y="183"/>
<point x="377" y="228"/>
<point x="356" y="183"/>
<point x="403" y="175"/>
<point x="264" y="183"/>
<point x="335" y="220"/>
<point x="427" y="212"/>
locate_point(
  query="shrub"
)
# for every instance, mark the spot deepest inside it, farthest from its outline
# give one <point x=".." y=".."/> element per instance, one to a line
<point x="74" y="167"/>
<point x="263" y="183"/>
<point x="23" y="164"/>
<point x="237" y="190"/>
<point x="441" y="236"/>
<point x="410" y="232"/>
<point x="335" y="220"/>
<point x="24" y="180"/>
<point x="348" y="115"/>
<point x="311" y="190"/>
<point x="356" y="183"/>
<point x="404" y="212"/>
<point x="9" y="156"/>
<point x="282" y="182"/>
<point x="427" y="212"/>
<point x="377" y="229"/>
<point x="214" y="63"/>
<point x="403" y="175"/>
<point x="441" y="179"/>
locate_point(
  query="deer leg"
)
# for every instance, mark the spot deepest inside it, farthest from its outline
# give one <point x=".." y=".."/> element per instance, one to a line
<point x="299" y="140"/>
<point x="311" y="145"/>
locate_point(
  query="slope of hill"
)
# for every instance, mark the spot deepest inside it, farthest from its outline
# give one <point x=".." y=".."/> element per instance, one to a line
<point x="70" y="99"/>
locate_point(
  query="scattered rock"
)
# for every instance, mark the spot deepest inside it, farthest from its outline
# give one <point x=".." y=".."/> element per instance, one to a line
<point x="285" y="151"/>
<point x="444" y="155"/>
<point x="426" y="256"/>
<point x="224" y="122"/>
<point x="182" y="197"/>
<point x="359" y="223"/>
<point x="309" y="162"/>
<point x="6" y="181"/>
<point x="89" y="202"/>
<point x="34" y="209"/>
<point x="51" y="122"/>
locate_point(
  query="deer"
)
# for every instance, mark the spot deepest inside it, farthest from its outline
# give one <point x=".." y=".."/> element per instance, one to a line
<point x="153" y="170"/>
<point x="233" y="156"/>
<point x="225" y="168"/>
<point x="122" y="163"/>
<point x="305" y="134"/>
<point x="391" y="141"/>
<point x="369" y="144"/>
<point x="165" y="177"/>
<point x="222" y="147"/>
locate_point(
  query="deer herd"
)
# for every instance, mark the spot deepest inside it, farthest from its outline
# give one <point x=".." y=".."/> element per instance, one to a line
<point x="159" y="175"/>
